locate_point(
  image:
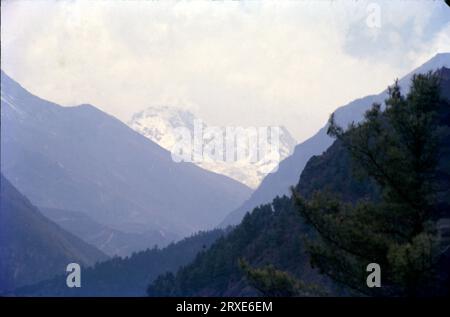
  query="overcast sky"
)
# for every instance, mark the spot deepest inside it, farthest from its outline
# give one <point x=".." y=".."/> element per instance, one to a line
<point x="232" y="63"/>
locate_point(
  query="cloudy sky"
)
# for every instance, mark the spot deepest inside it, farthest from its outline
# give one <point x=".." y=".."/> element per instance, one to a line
<point x="232" y="63"/>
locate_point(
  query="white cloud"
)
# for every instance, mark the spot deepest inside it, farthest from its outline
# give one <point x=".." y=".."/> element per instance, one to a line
<point x="234" y="63"/>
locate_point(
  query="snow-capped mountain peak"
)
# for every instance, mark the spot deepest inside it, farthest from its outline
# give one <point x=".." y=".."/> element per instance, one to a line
<point x="157" y="123"/>
<point x="161" y="124"/>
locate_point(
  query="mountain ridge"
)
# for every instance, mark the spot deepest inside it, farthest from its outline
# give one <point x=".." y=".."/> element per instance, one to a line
<point x="127" y="276"/>
<point x="274" y="234"/>
<point x="32" y="247"/>
<point x="290" y="168"/>
<point x="80" y="158"/>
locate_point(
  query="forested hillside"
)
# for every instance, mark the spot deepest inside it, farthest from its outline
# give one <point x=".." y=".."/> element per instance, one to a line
<point x="127" y="276"/>
<point x="273" y="234"/>
<point x="269" y="235"/>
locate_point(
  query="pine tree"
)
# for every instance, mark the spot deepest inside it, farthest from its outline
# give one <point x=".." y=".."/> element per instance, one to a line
<point x="398" y="148"/>
<point x="271" y="282"/>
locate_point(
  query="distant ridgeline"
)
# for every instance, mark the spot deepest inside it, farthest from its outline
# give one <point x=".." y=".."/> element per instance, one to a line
<point x="272" y="234"/>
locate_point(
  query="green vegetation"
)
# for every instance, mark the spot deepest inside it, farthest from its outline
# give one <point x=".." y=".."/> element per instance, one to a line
<point x="267" y="236"/>
<point x="271" y="282"/>
<point x="374" y="196"/>
<point x="398" y="149"/>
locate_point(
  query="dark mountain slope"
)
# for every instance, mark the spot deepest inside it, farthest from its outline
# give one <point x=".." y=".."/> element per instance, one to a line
<point x="129" y="276"/>
<point x="333" y="171"/>
<point x="269" y="235"/>
<point x="33" y="248"/>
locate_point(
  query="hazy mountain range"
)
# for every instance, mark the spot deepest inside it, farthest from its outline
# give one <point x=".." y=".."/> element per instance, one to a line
<point x="81" y="159"/>
<point x="290" y="169"/>
<point x="110" y="241"/>
<point x="75" y="172"/>
<point x="33" y="248"/>
<point x="159" y="124"/>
